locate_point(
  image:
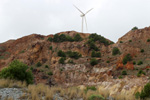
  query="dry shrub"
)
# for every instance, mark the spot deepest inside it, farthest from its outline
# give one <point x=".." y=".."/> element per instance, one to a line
<point x="7" y="83"/>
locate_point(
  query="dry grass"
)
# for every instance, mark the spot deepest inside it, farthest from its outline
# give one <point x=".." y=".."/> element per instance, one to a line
<point x="7" y="83"/>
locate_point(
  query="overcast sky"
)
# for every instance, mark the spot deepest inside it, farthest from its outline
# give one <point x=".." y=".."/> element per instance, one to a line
<point x="109" y="18"/>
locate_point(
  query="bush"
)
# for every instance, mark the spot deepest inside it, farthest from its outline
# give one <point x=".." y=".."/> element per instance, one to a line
<point x="139" y="63"/>
<point x="130" y="40"/>
<point x="134" y="63"/>
<point x="62" y="60"/>
<point x="115" y="51"/>
<point x="74" y="55"/>
<point x="93" y="62"/>
<point x="96" y="97"/>
<point x="140" y="73"/>
<point x="127" y="58"/>
<point x="95" y="54"/>
<point x="70" y="62"/>
<point x="121" y="41"/>
<point x="50" y="48"/>
<point x="92" y="45"/>
<point x="108" y="61"/>
<point x="99" y="38"/>
<point x="61" y="53"/>
<point x="38" y="64"/>
<point x="50" y="73"/>
<point x="145" y="93"/>
<point x="93" y="88"/>
<point x="142" y="50"/>
<point x="77" y="37"/>
<point x="46" y="66"/>
<point x="148" y="40"/>
<point x="124" y="72"/>
<point x="63" y="38"/>
<point x="17" y="71"/>
<point x="134" y="28"/>
<point x="120" y="77"/>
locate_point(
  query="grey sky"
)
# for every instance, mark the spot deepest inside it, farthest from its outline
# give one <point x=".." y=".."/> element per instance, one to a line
<point x="110" y="18"/>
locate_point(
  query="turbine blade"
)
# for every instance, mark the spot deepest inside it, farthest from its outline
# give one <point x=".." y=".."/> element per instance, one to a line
<point x="88" y="11"/>
<point x="86" y="23"/>
<point x="78" y="9"/>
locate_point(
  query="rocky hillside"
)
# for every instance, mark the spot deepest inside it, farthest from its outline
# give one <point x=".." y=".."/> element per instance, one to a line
<point x="73" y="58"/>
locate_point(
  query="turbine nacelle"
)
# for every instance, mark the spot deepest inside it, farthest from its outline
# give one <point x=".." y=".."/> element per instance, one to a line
<point x="82" y="15"/>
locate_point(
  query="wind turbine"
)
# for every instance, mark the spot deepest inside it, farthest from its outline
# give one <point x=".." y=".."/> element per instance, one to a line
<point x="83" y="17"/>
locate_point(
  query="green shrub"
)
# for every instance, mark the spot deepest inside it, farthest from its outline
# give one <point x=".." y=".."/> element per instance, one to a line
<point x="93" y="88"/>
<point x="130" y="40"/>
<point x="145" y="93"/>
<point x="31" y="68"/>
<point x="74" y="55"/>
<point x="50" y="73"/>
<point x="124" y="72"/>
<point x="17" y="71"/>
<point x="46" y="66"/>
<point x="62" y="60"/>
<point x="38" y="64"/>
<point x="92" y="45"/>
<point x="94" y="37"/>
<point x="60" y="53"/>
<point x="121" y="41"/>
<point x="95" y="54"/>
<point x="142" y="50"/>
<point x="93" y="62"/>
<point x="96" y="97"/>
<point x="63" y="38"/>
<point x="134" y="28"/>
<point x="70" y="62"/>
<point x="148" y="40"/>
<point x="139" y="63"/>
<point x="140" y="73"/>
<point x="77" y="37"/>
<point x="127" y="58"/>
<point x="134" y="63"/>
<point x="108" y="61"/>
<point x="50" y="48"/>
<point x="120" y="77"/>
<point x="115" y="51"/>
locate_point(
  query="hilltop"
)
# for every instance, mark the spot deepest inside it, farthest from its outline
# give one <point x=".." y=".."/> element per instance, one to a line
<point x="73" y="58"/>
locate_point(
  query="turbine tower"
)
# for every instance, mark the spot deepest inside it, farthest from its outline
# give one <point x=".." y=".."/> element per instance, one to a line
<point x="83" y="18"/>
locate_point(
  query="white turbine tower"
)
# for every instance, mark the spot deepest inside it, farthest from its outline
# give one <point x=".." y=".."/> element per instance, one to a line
<point x="83" y="17"/>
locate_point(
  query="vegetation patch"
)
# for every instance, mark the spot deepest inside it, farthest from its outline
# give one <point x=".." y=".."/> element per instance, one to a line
<point x="62" y="60"/>
<point x="95" y="54"/>
<point x="96" y="97"/>
<point x="139" y="63"/>
<point x="145" y="93"/>
<point x="127" y="58"/>
<point x="38" y="64"/>
<point x="93" y="62"/>
<point x="61" y="53"/>
<point x="63" y="38"/>
<point x="74" y="55"/>
<point x="115" y="51"/>
<point x="134" y="28"/>
<point x="95" y="37"/>
<point x="140" y="73"/>
<point x="142" y="50"/>
<point x="17" y="71"/>
<point x="124" y="72"/>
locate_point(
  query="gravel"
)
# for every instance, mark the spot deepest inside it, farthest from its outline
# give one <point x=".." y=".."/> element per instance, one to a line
<point x="13" y="93"/>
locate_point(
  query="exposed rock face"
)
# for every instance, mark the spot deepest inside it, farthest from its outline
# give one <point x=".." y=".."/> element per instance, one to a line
<point x="35" y="48"/>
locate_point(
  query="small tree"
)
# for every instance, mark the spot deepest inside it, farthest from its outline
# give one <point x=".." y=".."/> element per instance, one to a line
<point x="115" y="51"/>
<point x="17" y="71"/>
<point x="77" y="37"/>
<point x="95" y="54"/>
<point x="93" y="62"/>
<point x="127" y="58"/>
<point x="61" y="53"/>
<point x="124" y="72"/>
<point x="134" y="28"/>
<point x="38" y="64"/>
<point x="62" y="60"/>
